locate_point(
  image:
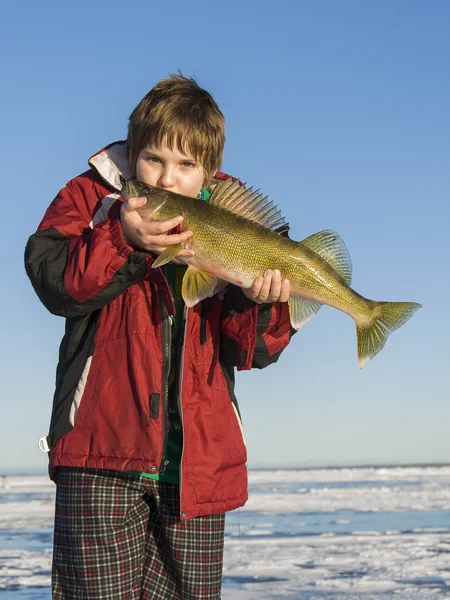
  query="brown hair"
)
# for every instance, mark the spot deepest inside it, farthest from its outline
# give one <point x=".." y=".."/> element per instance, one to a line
<point x="181" y="112"/>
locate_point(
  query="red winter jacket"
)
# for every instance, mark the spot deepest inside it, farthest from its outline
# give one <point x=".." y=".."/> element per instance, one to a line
<point x="110" y="403"/>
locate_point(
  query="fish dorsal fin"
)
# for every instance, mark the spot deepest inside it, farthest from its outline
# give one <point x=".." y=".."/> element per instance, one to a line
<point x="331" y="247"/>
<point x="249" y="204"/>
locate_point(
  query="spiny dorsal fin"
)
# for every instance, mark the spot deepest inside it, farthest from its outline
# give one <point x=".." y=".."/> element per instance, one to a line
<point x="249" y="204"/>
<point x="331" y="247"/>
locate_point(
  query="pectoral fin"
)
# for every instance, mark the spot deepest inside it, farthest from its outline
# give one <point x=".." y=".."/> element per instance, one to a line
<point x="197" y="285"/>
<point x="169" y="254"/>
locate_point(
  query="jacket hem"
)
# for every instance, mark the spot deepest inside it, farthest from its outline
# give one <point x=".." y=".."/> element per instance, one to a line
<point x="110" y="463"/>
<point x="213" y="508"/>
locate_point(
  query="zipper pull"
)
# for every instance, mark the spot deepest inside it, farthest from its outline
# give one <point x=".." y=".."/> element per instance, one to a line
<point x="163" y="468"/>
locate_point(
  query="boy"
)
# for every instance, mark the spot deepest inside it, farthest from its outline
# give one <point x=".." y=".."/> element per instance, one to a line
<point x="145" y="439"/>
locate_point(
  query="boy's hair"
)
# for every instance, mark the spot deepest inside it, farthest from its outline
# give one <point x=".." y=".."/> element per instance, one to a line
<point x="187" y="116"/>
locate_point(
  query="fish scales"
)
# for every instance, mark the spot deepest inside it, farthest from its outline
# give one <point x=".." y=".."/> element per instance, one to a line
<point x="239" y="250"/>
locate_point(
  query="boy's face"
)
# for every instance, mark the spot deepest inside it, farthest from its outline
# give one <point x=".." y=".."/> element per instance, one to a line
<point x="170" y="169"/>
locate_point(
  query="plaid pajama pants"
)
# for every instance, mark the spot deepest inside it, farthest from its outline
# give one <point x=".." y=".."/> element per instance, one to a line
<point x="119" y="537"/>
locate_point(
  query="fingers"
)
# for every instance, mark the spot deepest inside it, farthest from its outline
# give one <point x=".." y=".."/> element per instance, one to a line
<point x="158" y="227"/>
<point x="151" y="236"/>
<point x="253" y="292"/>
<point x="270" y="288"/>
<point x="285" y="291"/>
<point x="266" y="286"/>
<point x="132" y="204"/>
<point x="150" y="227"/>
<point x="166" y="240"/>
<point x="275" y="287"/>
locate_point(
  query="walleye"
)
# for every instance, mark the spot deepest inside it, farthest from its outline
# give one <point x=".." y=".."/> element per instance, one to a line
<point x="237" y="237"/>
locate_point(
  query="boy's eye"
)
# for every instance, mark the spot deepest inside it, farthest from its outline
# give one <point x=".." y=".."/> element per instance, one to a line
<point x="153" y="159"/>
<point x="188" y="164"/>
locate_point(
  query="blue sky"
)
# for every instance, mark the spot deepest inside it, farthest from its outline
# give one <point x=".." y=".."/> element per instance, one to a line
<point x="338" y="111"/>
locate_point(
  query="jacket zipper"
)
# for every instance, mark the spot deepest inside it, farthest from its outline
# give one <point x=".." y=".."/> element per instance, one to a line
<point x="167" y="323"/>
<point x="180" y="402"/>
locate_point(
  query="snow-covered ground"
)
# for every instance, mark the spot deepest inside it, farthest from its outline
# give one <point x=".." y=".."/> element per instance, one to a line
<point x="325" y="534"/>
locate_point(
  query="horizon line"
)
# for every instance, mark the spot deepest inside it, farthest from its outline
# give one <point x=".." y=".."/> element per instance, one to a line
<point x="8" y="471"/>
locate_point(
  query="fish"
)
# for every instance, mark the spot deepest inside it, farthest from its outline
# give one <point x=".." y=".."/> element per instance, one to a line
<point x="239" y="234"/>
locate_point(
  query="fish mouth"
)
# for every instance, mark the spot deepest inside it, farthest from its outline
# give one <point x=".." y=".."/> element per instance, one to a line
<point x="133" y="188"/>
<point x="128" y="189"/>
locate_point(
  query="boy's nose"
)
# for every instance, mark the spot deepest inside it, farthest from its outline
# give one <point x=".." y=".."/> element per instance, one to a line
<point x="166" y="179"/>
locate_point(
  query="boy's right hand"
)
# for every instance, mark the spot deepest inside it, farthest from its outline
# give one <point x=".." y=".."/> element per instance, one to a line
<point x="151" y="236"/>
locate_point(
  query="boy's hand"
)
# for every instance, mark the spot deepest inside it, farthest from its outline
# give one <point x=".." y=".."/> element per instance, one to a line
<point x="269" y="288"/>
<point x="150" y="235"/>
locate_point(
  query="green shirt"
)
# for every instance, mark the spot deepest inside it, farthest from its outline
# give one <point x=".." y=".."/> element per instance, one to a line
<point x="174" y="274"/>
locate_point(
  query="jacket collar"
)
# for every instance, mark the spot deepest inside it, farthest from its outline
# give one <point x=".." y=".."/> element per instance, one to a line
<point x="112" y="164"/>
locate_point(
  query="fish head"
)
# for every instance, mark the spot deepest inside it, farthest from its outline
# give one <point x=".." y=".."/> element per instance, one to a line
<point x="133" y="188"/>
<point x="156" y="198"/>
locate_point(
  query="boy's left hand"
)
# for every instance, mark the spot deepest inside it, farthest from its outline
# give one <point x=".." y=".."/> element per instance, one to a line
<point x="269" y="288"/>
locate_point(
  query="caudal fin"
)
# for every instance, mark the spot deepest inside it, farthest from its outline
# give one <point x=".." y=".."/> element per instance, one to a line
<point x="388" y="316"/>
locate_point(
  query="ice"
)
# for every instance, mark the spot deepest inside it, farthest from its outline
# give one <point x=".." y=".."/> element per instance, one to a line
<point x="353" y="566"/>
<point x="366" y="564"/>
<point x="21" y="568"/>
<point x="320" y="534"/>
<point x="26" y="515"/>
<point x="25" y="481"/>
<point x="431" y="490"/>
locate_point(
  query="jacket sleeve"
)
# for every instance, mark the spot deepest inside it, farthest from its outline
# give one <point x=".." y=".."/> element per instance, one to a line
<point x="253" y="335"/>
<point x="74" y="266"/>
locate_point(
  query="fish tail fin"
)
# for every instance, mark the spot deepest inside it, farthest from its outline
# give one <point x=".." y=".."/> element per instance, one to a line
<point x="387" y="317"/>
